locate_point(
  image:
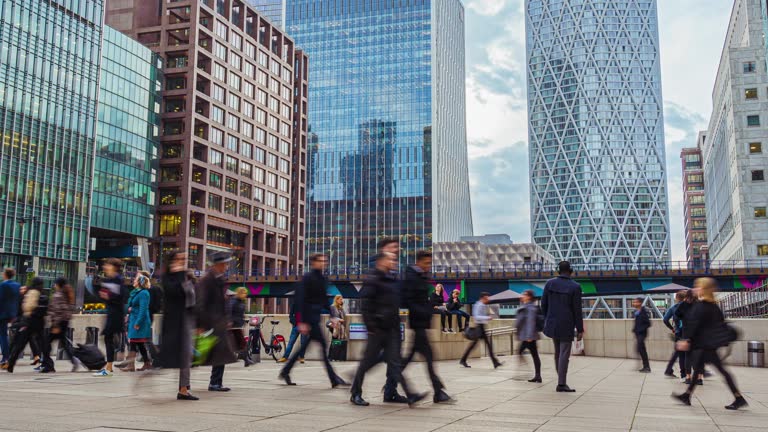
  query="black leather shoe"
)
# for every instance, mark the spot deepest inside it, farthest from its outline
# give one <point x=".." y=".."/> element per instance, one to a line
<point x="740" y="402"/>
<point x="395" y="398"/>
<point x="443" y="398"/>
<point x="535" y="380"/>
<point x="46" y="370"/>
<point x="218" y="388"/>
<point x="187" y="396"/>
<point x="287" y="379"/>
<point x="498" y="364"/>
<point x="645" y="370"/>
<point x="564" y="389"/>
<point x="670" y="374"/>
<point x="358" y="400"/>
<point x="339" y="382"/>
<point x="685" y="398"/>
<point x="700" y="382"/>
<point x="416" y="398"/>
<point x="463" y="363"/>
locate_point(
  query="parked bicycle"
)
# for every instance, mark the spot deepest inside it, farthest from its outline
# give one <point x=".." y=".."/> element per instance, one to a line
<point x="276" y="345"/>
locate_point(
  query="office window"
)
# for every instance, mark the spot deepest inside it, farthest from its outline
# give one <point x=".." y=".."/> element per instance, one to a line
<point x="218" y="93"/>
<point x="234" y="81"/>
<point x="261" y="116"/>
<point x="220" y="29"/>
<point x="755" y="148"/>
<point x="245" y="211"/>
<point x="231" y="186"/>
<point x="230" y="207"/>
<point x="273" y="123"/>
<point x="219" y="72"/>
<point x="750" y="93"/>
<point x="246" y="150"/>
<point x="262" y="97"/>
<point x="215" y="158"/>
<point x="247" y="129"/>
<point x="220" y="51"/>
<point x="250" y="50"/>
<point x="246" y="169"/>
<point x="214" y="202"/>
<point x="248" y="89"/>
<point x="762" y="250"/>
<point x="283" y="184"/>
<point x="758" y="175"/>
<point x="231" y="164"/>
<point x="233" y="122"/>
<point x="258" y="194"/>
<point x="249" y="70"/>
<point x="216" y="136"/>
<point x="750" y="67"/>
<point x="272" y="161"/>
<point x="234" y="102"/>
<point x="259" y="155"/>
<point x="248" y="109"/>
<point x="259" y="175"/>
<point x="285" y="148"/>
<point x="271" y="180"/>
<point x="285" y="166"/>
<point x="217" y="114"/>
<point x="260" y="135"/>
<point x="282" y="203"/>
<point x="235" y="60"/>
<point x="760" y="212"/>
<point x="271" y="199"/>
<point x="237" y="41"/>
<point x="214" y="180"/>
<point x="263" y="58"/>
<point x="753" y="120"/>
<point x="246" y="191"/>
<point x="232" y="143"/>
<point x="262" y="76"/>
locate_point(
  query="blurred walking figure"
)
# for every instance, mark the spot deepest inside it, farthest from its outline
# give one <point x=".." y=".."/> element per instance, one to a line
<point x="530" y="322"/>
<point x="60" y="312"/>
<point x="683" y="314"/>
<point x="677" y="331"/>
<point x="9" y="306"/>
<point x="310" y="301"/>
<point x="338" y="319"/>
<point x="561" y="304"/>
<point x="416" y="289"/>
<point x="237" y="306"/>
<point x="32" y="326"/>
<point x="139" y="323"/>
<point x="640" y="329"/>
<point x="381" y="314"/>
<point x="176" y="334"/>
<point x="295" y="336"/>
<point x="111" y="292"/>
<point x="213" y="314"/>
<point x="482" y="314"/>
<point x="454" y="308"/>
<point x="439" y="308"/>
<point x="705" y="332"/>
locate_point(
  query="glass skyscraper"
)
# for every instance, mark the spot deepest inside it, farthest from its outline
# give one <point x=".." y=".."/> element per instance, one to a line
<point x="125" y="177"/>
<point x="273" y="10"/>
<point x="596" y="131"/>
<point x="49" y="69"/>
<point x="388" y="153"/>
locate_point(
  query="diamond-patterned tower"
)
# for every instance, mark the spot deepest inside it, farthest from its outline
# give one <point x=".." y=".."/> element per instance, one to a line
<point x="596" y="131"/>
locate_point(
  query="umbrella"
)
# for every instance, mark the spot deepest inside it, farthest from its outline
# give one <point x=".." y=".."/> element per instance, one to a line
<point x="505" y="297"/>
<point x="669" y="288"/>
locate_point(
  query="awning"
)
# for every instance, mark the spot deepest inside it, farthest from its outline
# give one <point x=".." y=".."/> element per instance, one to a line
<point x="505" y="297"/>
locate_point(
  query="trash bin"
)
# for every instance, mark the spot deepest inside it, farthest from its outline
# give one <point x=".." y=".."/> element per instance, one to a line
<point x="755" y="354"/>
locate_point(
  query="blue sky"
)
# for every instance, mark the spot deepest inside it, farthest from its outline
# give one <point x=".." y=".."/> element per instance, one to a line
<point x="691" y="34"/>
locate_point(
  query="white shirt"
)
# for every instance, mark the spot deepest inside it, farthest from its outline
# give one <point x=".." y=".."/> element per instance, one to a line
<point x="481" y="312"/>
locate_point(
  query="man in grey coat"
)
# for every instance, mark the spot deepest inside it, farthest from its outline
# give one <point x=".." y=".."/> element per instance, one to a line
<point x="561" y="305"/>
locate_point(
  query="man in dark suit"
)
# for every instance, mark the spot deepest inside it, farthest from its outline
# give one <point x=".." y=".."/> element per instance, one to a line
<point x="416" y="288"/>
<point x="9" y="302"/>
<point x="381" y="314"/>
<point x="311" y="299"/>
<point x="640" y="329"/>
<point x="561" y="305"/>
<point x="213" y="315"/>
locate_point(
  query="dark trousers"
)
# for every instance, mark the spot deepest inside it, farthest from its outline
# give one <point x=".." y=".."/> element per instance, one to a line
<point x="217" y="376"/>
<point x="534" y="350"/>
<point x="699" y="359"/>
<point x="387" y="340"/>
<point x="488" y="345"/>
<point x="562" y="359"/>
<point x="459" y="315"/>
<point x="109" y="346"/>
<point x="141" y="347"/>
<point x="314" y="335"/>
<point x="35" y="337"/>
<point x="61" y="336"/>
<point x="421" y="345"/>
<point x="443" y="317"/>
<point x="5" y="347"/>
<point x="679" y="356"/>
<point x="641" y="350"/>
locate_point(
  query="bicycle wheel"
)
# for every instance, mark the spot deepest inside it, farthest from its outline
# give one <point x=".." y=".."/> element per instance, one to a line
<point x="278" y="346"/>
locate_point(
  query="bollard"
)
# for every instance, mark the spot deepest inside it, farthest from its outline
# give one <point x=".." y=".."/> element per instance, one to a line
<point x="755" y="354"/>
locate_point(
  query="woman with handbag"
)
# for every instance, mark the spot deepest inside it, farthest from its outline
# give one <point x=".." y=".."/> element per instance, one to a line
<point x="338" y="319"/>
<point x="529" y="322"/>
<point x="237" y="307"/>
<point x="176" y="333"/>
<point x="437" y="300"/>
<point x="703" y="334"/>
<point x="139" y="323"/>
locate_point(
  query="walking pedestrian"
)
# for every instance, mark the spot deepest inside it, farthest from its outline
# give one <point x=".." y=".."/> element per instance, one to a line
<point x="176" y="333"/>
<point x="32" y="326"/>
<point x="640" y="329"/>
<point x="416" y="289"/>
<point x="683" y="314"/>
<point x="674" y="324"/>
<point x="59" y="314"/>
<point x="237" y="306"/>
<point x="112" y="292"/>
<point x="139" y="324"/>
<point x="381" y="314"/>
<point x="338" y="319"/>
<point x="705" y="332"/>
<point x="9" y="301"/>
<point x="439" y="308"/>
<point x="561" y="305"/>
<point x="454" y="308"/>
<point x="311" y="300"/>
<point x="295" y="336"/>
<point x="482" y="314"/>
<point x="213" y="314"/>
<point x="529" y="322"/>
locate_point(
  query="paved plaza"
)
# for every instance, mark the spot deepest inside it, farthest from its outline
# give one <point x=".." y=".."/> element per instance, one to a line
<point x="610" y="396"/>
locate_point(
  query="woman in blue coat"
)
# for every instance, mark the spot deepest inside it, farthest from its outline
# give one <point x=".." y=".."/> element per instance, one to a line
<point x="139" y="322"/>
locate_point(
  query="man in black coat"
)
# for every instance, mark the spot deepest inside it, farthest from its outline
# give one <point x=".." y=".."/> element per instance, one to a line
<point x="311" y="299"/>
<point x="213" y="315"/>
<point x="416" y="288"/>
<point x="381" y="314"/>
<point x="640" y="329"/>
<point x="561" y="305"/>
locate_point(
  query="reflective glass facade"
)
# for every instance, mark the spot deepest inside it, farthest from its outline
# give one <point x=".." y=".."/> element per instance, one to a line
<point x="273" y="10"/>
<point x="49" y="69"/>
<point x="126" y="147"/>
<point x="596" y="131"/>
<point x="387" y="138"/>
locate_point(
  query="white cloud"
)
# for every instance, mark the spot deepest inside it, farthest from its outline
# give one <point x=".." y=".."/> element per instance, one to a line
<point x="487" y="7"/>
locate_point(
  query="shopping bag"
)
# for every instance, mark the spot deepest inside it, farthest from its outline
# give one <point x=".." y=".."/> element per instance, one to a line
<point x="472" y="333"/>
<point x="204" y="344"/>
<point x="577" y="348"/>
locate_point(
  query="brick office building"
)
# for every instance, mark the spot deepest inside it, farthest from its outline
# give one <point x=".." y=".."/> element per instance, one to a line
<point x="233" y="134"/>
